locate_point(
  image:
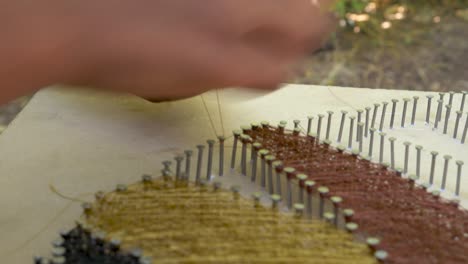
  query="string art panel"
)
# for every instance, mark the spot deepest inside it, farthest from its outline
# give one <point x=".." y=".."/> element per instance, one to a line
<point x="371" y="184"/>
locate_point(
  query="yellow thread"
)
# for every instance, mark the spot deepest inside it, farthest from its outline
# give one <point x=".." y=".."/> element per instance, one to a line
<point x="54" y="190"/>
<point x="183" y="223"/>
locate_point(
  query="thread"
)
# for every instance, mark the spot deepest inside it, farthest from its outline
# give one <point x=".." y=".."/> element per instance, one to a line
<point x="173" y="222"/>
<point x="415" y="226"/>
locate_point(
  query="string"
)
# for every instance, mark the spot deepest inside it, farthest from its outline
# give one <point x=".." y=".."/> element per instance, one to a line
<point x="48" y="224"/>
<point x="219" y="110"/>
<point x="54" y="190"/>
<point x="38" y="233"/>
<point x="209" y="115"/>
<point x="409" y="220"/>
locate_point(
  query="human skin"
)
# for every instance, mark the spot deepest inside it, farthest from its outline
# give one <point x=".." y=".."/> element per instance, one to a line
<point x="159" y="49"/>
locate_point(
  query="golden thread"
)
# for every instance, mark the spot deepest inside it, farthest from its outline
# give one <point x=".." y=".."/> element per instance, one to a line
<point x="183" y="223"/>
<point x="55" y="191"/>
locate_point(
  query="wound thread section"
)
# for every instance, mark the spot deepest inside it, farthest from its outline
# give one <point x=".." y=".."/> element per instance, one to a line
<point x="415" y="226"/>
<point x="178" y="222"/>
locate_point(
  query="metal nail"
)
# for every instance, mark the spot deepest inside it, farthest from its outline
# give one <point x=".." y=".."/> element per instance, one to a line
<point x="459" y="173"/>
<point x="361" y="135"/>
<point x="451" y="94"/>
<point x="167" y="165"/>
<point x="290" y="173"/>
<point x="438" y="114"/>
<point x="244" y="141"/>
<point x="179" y="159"/>
<point x="299" y="210"/>
<point x="348" y="215"/>
<point x="236" y="134"/>
<point x="372" y="243"/>
<point x="210" y="158"/>
<point x="309" y="187"/>
<point x="351" y="130"/>
<point x="256" y="197"/>
<point x="269" y="160"/>
<point x="407" y="145"/>
<point x="441" y="96"/>
<point x="351" y="227"/>
<point x="367" y="121"/>
<point x="319" y="126"/>
<point x="255" y="147"/>
<point x="309" y="124"/>
<point x="382" y="145"/>
<point x="392" y="152"/>
<point x="462" y="105"/>
<point x="343" y="117"/>
<point x="415" y="106"/>
<point x="381" y="255"/>
<point x="447" y="159"/>
<point x="336" y="200"/>
<point x="199" y="162"/>
<point x="392" y="118"/>
<point x="428" y="111"/>
<point x="433" y="164"/>
<point x="457" y="123"/>
<point x="405" y="106"/>
<point x="221" y="155"/>
<point x="281" y="128"/>
<point x="296" y="123"/>
<point x="275" y="200"/>
<point x="188" y="157"/>
<point x="418" y="160"/>
<point x="323" y="192"/>
<point x="263" y="153"/>
<point x="447" y="117"/>
<point x="121" y="188"/>
<point x="374" y="114"/>
<point x="382" y="118"/>
<point x="329" y="217"/>
<point x="301" y="181"/>
<point x="278" y="166"/>
<point x="359" y="120"/>
<point x="371" y="142"/>
<point x="330" y="114"/>
<point x="246" y="129"/>
<point x="255" y="126"/>
<point x="145" y="178"/>
<point x="465" y="130"/>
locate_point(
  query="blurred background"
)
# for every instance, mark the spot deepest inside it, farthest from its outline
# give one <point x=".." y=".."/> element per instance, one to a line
<point x="392" y="44"/>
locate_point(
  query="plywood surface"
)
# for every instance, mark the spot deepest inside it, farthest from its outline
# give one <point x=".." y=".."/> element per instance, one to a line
<point x="80" y="142"/>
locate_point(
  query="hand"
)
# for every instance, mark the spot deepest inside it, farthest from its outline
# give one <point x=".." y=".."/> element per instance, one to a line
<point x="168" y="49"/>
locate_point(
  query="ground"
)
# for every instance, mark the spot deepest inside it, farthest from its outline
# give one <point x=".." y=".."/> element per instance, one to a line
<point x="427" y="52"/>
<point x="420" y="56"/>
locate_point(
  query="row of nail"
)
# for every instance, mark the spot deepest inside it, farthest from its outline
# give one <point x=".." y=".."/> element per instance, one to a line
<point x="367" y="120"/>
<point x="363" y="131"/>
<point x="272" y="172"/>
<point x="84" y="245"/>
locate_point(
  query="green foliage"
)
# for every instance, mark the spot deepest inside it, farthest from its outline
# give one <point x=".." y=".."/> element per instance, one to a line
<point x="342" y="7"/>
